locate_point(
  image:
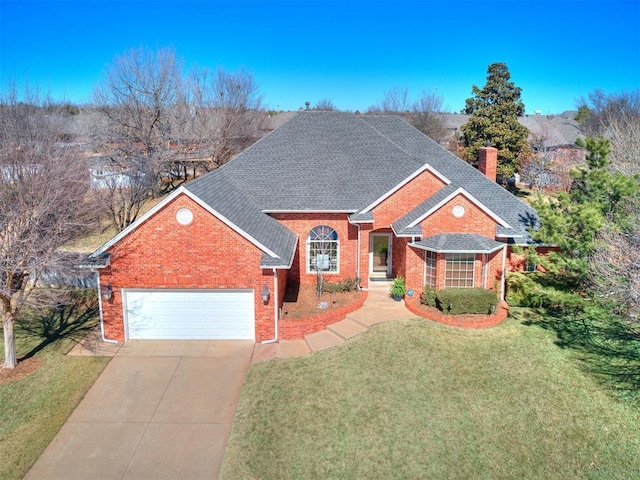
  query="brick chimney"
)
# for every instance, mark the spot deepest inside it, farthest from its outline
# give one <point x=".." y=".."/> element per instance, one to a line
<point x="488" y="163"/>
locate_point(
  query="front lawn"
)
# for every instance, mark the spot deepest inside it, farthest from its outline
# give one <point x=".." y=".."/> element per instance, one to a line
<point x="34" y="406"/>
<point x="421" y="400"/>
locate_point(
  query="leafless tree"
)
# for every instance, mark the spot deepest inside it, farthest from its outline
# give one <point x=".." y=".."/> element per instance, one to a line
<point x="616" y="117"/>
<point x="422" y="113"/>
<point x="44" y="204"/>
<point x="395" y="101"/>
<point x="325" y="105"/>
<point x="226" y="114"/>
<point x="137" y="101"/>
<point x="425" y="115"/>
<point x="615" y="266"/>
<point x="538" y="168"/>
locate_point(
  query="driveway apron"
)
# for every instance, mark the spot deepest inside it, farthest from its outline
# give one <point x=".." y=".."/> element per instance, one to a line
<point x="160" y="410"/>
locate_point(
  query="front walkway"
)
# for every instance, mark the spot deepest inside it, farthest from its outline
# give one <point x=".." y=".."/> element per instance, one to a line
<point x="378" y="308"/>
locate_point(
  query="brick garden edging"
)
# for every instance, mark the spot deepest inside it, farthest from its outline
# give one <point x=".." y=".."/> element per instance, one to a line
<point x="464" y="321"/>
<point x="293" y="329"/>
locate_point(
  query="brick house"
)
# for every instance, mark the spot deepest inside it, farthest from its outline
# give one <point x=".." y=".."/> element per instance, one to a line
<point x="355" y="196"/>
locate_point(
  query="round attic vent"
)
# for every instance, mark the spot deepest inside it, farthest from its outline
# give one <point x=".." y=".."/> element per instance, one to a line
<point x="458" y="211"/>
<point x="184" y="216"/>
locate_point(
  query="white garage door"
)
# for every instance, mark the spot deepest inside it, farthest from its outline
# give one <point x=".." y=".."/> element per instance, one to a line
<point x="189" y="314"/>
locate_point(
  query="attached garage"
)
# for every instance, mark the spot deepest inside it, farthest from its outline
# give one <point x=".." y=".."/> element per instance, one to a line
<point x="161" y="314"/>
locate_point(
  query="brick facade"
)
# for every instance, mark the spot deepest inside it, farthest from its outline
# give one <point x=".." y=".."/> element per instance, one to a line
<point x="302" y="224"/>
<point x="207" y="254"/>
<point x="161" y="253"/>
<point x="405" y="199"/>
<point x="474" y="219"/>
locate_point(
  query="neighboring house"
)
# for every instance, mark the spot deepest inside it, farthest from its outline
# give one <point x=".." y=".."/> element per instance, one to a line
<point x="555" y="152"/>
<point x="324" y="190"/>
<point x="552" y="137"/>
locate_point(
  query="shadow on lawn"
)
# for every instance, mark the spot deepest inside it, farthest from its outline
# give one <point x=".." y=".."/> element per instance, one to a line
<point x="72" y="318"/>
<point x="607" y="346"/>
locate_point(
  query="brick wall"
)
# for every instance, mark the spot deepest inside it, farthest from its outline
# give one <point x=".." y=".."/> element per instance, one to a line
<point x="161" y="253"/>
<point x="302" y="224"/>
<point x="365" y="239"/>
<point x="488" y="162"/>
<point x="517" y="262"/>
<point x="474" y="220"/>
<point x="406" y="199"/>
<point x="291" y="329"/>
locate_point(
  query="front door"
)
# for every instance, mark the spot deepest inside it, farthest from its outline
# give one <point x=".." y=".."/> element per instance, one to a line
<point x="380" y="254"/>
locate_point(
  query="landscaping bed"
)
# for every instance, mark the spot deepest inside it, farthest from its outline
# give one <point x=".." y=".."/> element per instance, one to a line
<point x="414" y="305"/>
<point x="303" y="312"/>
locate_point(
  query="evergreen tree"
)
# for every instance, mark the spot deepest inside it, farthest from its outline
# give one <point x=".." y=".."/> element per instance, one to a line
<point x="493" y="121"/>
<point x="573" y="220"/>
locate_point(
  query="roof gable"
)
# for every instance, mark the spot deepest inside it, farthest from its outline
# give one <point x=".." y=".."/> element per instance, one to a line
<point x="276" y="251"/>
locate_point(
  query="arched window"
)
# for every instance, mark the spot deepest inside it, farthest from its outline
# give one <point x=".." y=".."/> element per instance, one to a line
<point x="322" y="249"/>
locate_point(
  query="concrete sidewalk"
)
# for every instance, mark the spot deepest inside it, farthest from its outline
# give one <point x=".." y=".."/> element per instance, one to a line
<point x="379" y="307"/>
<point x="159" y="410"/>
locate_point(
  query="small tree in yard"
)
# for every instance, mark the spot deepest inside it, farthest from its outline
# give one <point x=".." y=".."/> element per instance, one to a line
<point x="44" y="204"/>
<point x="493" y="121"/>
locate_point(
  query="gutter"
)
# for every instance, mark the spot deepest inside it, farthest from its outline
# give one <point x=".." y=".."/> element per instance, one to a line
<point x="275" y="308"/>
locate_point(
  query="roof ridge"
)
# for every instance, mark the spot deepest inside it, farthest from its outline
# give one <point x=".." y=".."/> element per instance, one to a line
<point x="421" y="162"/>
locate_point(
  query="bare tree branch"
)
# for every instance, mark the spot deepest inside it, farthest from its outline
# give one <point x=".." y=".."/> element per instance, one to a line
<point x="45" y="202"/>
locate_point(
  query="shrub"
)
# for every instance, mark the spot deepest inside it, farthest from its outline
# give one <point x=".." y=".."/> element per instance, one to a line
<point x="541" y="290"/>
<point x="398" y="287"/>
<point x="467" y="300"/>
<point x="347" y="285"/>
<point x="428" y="296"/>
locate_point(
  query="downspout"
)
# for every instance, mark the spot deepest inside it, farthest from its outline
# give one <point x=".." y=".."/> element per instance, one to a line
<point x="104" y="339"/>
<point x="504" y="267"/>
<point x="358" y="254"/>
<point x="275" y="307"/>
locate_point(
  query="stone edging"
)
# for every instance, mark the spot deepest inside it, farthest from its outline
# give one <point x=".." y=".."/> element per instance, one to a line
<point x="464" y="321"/>
<point x="293" y="329"/>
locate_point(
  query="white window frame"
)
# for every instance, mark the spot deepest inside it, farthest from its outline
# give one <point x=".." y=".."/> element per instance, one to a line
<point x="430" y="268"/>
<point x="333" y="245"/>
<point x="465" y="262"/>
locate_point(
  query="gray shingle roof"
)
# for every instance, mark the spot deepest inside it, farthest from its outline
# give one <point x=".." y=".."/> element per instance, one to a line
<point x="554" y="131"/>
<point x="458" y="242"/>
<point x="320" y="161"/>
<point x="505" y="205"/>
<point x="337" y="161"/>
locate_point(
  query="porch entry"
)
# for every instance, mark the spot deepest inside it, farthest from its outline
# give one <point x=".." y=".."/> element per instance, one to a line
<point x="380" y="254"/>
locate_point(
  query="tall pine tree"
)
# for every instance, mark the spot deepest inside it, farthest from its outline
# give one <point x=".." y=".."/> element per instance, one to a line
<point x="494" y="112"/>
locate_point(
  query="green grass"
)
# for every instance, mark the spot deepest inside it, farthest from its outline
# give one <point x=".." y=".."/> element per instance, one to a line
<point x="420" y="400"/>
<point x="33" y="409"/>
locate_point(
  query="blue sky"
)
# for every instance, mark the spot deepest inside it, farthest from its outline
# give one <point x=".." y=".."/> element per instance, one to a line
<point x="348" y="51"/>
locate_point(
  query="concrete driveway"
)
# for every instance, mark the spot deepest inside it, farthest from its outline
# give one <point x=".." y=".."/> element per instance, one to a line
<point x="160" y="410"/>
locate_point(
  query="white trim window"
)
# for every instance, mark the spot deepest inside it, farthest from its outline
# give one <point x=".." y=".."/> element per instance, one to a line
<point x="430" y="268"/>
<point x="460" y="270"/>
<point x="323" y="247"/>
